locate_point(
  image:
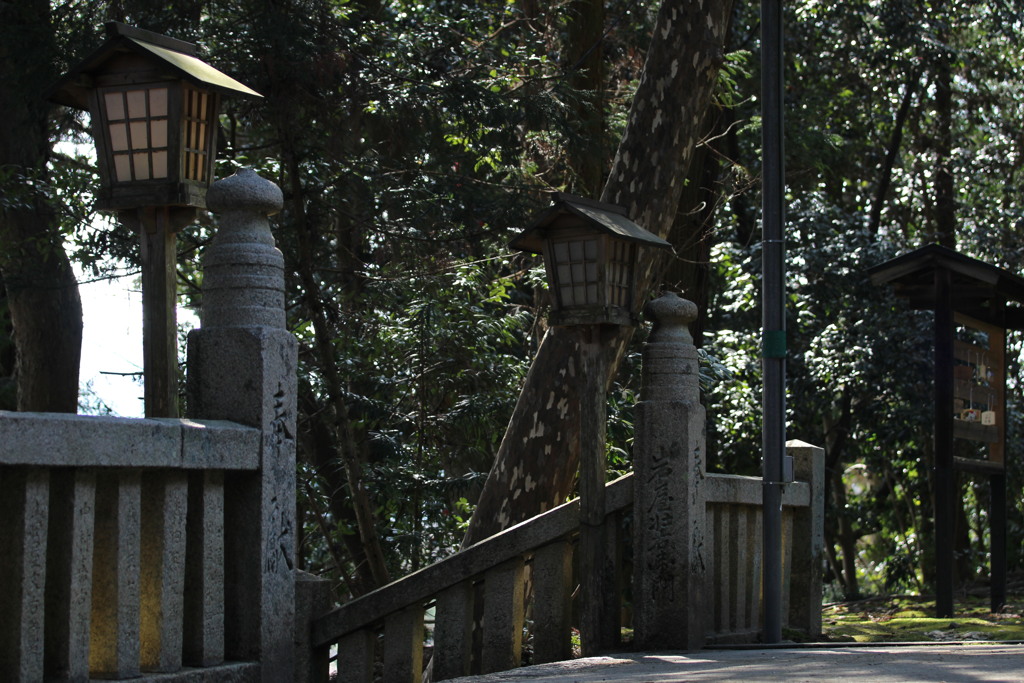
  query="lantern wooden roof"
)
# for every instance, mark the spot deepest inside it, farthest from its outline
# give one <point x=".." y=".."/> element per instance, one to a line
<point x="175" y="58"/>
<point x="568" y="210"/>
<point x="977" y="289"/>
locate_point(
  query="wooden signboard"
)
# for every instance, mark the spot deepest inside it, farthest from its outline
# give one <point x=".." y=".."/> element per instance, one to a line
<point x="970" y="299"/>
<point x="979" y="390"/>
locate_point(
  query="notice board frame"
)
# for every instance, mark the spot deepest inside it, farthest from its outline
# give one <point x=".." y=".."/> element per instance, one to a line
<point x="965" y="292"/>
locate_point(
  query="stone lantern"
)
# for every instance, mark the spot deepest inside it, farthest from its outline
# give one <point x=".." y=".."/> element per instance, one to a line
<point x="154" y="108"/>
<point x="592" y="253"/>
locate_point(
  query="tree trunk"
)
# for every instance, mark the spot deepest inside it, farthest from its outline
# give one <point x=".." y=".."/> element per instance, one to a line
<point x="8" y="356"/>
<point x="689" y="273"/>
<point x="348" y="451"/>
<point x="537" y="461"/>
<point x="586" y="76"/>
<point x="945" y="189"/>
<point x="42" y="294"/>
<point x="892" y="153"/>
<point x="836" y="424"/>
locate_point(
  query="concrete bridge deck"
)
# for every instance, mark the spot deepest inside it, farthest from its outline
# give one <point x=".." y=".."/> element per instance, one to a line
<point x="877" y="663"/>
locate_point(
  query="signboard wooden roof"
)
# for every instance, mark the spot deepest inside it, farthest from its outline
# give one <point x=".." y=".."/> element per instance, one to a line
<point x="978" y="289"/>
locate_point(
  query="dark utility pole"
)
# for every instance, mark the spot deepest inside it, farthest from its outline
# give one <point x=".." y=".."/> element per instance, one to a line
<point x="773" y="313"/>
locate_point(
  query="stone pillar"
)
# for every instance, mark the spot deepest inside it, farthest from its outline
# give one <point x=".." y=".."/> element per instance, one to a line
<point x="242" y="365"/>
<point x="312" y="599"/>
<point x="669" y="501"/>
<point x="808" y="540"/>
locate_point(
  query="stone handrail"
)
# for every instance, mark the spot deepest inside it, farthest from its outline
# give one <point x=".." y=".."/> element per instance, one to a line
<point x="696" y="555"/>
<point x="150" y="548"/>
<point x="59" y="440"/>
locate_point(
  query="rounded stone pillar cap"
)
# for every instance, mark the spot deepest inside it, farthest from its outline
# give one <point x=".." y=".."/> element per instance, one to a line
<point x="671" y="315"/>
<point x="245" y="191"/>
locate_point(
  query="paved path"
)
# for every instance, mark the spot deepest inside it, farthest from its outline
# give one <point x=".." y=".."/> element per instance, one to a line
<point x="946" y="663"/>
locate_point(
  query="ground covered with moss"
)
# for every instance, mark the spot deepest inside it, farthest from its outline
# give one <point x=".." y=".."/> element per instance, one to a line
<point x="912" y="619"/>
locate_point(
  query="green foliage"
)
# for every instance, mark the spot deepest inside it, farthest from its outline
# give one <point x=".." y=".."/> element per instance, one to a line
<point x="412" y="139"/>
<point x="863" y="149"/>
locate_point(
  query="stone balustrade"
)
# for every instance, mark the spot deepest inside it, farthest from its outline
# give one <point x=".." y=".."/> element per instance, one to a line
<point x="112" y="558"/>
<point x="733" y="537"/>
<point x="485" y="582"/>
<point x="164" y="548"/>
<point x="527" y="570"/>
<point x="695" y="566"/>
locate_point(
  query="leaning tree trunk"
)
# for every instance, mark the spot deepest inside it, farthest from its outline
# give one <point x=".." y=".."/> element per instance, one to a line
<point x="537" y="461"/>
<point x="42" y="293"/>
<point x="585" y="55"/>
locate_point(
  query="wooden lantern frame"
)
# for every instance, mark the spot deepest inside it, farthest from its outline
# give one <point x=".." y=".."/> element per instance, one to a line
<point x="592" y="253"/>
<point x="172" y="163"/>
<point x="154" y="107"/>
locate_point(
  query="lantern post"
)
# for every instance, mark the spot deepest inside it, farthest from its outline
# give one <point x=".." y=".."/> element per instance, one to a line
<point x="154" y="107"/>
<point x="592" y="253"/>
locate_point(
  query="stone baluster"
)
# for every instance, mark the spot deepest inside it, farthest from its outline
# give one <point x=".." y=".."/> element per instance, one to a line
<point x="114" y="632"/>
<point x="403" y="645"/>
<point x="552" y="602"/>
<point x="242" y="365"/>
<point x="453" y="632"/>
<point x="669" y="464"/>
<point x="356" y="656"/>
<point x="69" y="563"/>
<point x="162" y="577"/>
<point x="24" y="498"/>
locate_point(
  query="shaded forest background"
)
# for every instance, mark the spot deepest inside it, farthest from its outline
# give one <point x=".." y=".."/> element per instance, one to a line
<point x="412" y="140"/>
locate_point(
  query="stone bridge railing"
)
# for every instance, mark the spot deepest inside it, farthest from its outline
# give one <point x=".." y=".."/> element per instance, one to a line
<point x="688" y="542"/>
<point x="524" y="577"/>
<point x="145" y="547"/>
<point x="163" y="548"/>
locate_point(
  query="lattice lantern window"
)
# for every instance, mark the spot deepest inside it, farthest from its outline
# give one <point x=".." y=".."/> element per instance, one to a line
<point x="592" y="255"/>
<point x="158" y="133"/>
<point x="593" y="270"/>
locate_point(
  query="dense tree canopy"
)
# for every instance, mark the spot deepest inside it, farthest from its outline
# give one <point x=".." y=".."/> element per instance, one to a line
<point x="411" y="141"/>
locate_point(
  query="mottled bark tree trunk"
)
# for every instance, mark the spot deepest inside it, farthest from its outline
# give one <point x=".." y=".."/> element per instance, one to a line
<point x="689" y="273"/>
<point x="537" y="461"/>
<point x="585" y="54"/>
<point x="42" y="294"/>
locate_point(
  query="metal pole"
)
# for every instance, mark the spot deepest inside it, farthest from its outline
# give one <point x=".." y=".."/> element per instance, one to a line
<point x="773" y="313"/>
